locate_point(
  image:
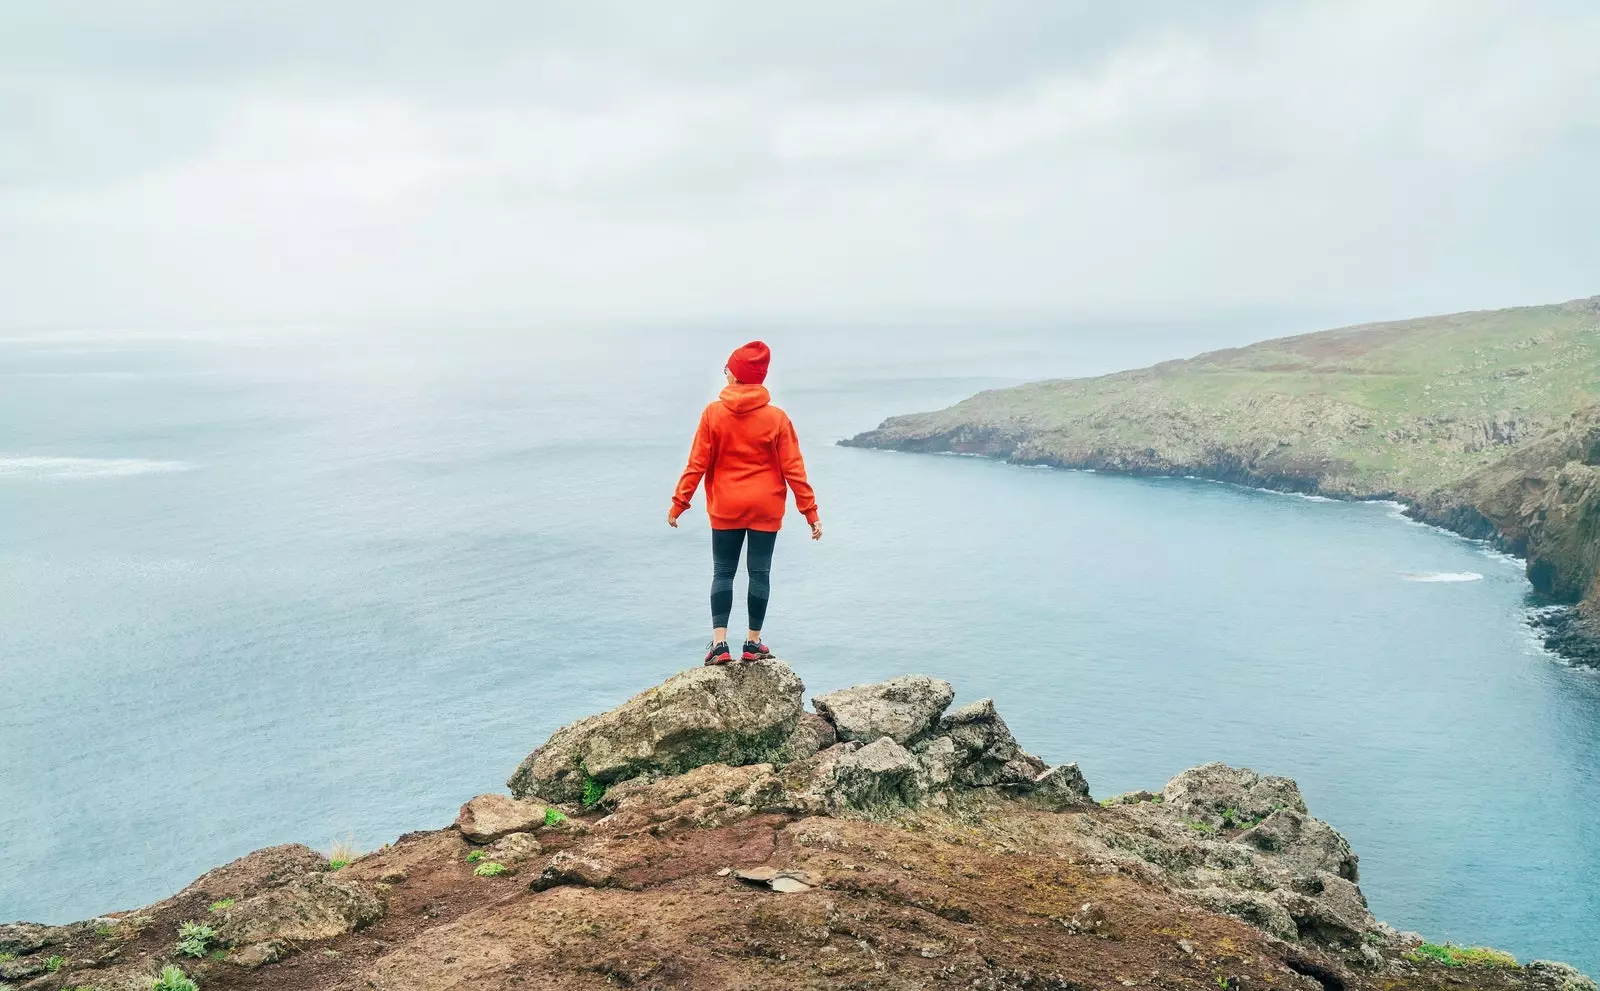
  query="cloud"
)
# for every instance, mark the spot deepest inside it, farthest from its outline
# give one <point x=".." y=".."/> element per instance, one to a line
<point x="211" y="162"/>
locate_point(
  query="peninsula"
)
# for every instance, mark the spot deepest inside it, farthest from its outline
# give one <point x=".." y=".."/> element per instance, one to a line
<point x="1484" y="423"/>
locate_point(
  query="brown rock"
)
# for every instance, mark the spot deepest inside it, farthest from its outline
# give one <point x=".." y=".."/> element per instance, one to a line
<point x="487" y="818"/>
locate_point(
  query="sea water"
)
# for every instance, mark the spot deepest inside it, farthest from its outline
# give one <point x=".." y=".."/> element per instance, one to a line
<point x="259" y="589"/>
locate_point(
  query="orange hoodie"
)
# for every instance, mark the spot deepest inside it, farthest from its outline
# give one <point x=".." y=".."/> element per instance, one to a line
<point x="746" y="449"/>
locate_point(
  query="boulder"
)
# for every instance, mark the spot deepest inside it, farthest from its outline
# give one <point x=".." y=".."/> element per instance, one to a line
<point x="513" y="850"/>
<point x="879" y="776"/>
<point x="256" y="871"/>
<point x="732" y="714"/>
<point x="17" y="938"/>
<point x="987" y="753"/>
<point x="1060" y="788"/>
<point x="1219" y="795"/>
<point x="903" y="709"/>
<point x="318" y="906"/>
<point x="486" y="818"/>
<point x="812" y="734"/>
<point x="567" y="867"/>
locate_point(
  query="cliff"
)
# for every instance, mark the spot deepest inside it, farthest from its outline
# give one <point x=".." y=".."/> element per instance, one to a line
<point x="1478" y="422"/>
<point x="880" y="841"/>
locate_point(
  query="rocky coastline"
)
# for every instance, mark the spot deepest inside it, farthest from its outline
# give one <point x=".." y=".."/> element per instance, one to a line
<point x="1540" y="503"/>
<point x="711" y="832"/>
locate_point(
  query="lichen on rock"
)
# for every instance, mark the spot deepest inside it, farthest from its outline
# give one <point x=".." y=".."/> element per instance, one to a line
<point x="731" y="714"/>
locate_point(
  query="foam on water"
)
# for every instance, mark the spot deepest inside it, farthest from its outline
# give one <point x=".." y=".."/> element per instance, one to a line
<point x="1442" y="576"/>
<point x="69" y="468"/>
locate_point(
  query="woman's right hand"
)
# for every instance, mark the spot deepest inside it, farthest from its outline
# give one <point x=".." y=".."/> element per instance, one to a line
<point x="672" y="519"/>
<point x="816" y="530"/>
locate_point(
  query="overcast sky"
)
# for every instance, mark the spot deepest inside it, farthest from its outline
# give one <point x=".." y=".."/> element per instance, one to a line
<point x="193" y="162"/>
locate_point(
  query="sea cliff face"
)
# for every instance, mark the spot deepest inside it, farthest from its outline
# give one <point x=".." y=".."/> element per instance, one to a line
<point x="883" y="840"/>
<point x="1482" y="423"/>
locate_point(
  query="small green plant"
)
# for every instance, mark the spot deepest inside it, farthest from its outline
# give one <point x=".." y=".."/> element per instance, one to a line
<point x="55" y="963"/>
<point x="490" y="869"/>
<point x="593" y="791"/>
<point x="341" y="853"/>
<point x="1204" y="827"/>
<point x="1223" y="982"/>
<point x="7" y="957"/>
<point x="222" y="905"/>
<point x="174" y="979"/>
<point x="1450" y="955"/>
<point x="553" y="817"/>
<point x="195" y="939"/>
<point x="475" y="856"/>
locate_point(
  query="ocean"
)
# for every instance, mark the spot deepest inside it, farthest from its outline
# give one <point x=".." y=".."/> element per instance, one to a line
<point x="297" y="587"/>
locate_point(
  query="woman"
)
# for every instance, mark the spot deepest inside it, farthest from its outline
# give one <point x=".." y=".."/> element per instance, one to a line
<point x="747" y="451"/>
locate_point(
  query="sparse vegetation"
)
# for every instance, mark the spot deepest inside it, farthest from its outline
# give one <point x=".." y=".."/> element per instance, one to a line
<point x="1450" y="955"/>
<point x="593" y="791"/>
<point x="491" y="869"/>
<point x="553" y="817"/>
<point x="7" y="957"/>
<point x="223" y="904"/>
<point x="55" y="963"/>
<point x="195" y="939"/>
<point x="341" y="853"/>
<point x="475" y="856"/>
<point x="174" y="979"/>
<point x="1202" y="827"/>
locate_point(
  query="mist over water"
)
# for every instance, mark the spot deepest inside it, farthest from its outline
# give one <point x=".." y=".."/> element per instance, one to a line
<point x="258" y="591"/>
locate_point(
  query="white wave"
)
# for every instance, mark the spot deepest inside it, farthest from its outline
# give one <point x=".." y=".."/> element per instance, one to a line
<point x="1501" y="557"/>
<point x="1442" y="576"/>
<point x="54" y="468"/>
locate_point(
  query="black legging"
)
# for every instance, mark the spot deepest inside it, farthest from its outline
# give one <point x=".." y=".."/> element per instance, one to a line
<point x="725" y="546"/>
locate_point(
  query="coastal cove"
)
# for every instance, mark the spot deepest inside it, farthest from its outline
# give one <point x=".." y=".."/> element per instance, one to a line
<point x="337" y="595"/>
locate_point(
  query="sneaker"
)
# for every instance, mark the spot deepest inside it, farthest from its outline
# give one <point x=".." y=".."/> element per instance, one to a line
<point x="755" y="650"/>
<point x="717" y="653"/>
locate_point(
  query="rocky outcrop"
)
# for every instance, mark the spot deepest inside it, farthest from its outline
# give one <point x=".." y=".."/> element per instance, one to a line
<point x="730" y="714"/>
<point x="903" y="709"/>
<point x="956" y="861"/>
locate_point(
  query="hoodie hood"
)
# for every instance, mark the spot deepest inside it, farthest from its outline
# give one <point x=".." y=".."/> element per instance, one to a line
<point x="742" y="397"/>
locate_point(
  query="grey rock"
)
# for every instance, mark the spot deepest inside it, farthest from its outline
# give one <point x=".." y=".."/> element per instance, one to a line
<point x="1305" y="843"/>
<point x="988" y="755"/>
<point x="23" y="937"/>
<point x="1568" y="978"/>
<point x="903" y="709"/>
<point x="733" y="714"/>
<point x="939" y="760"/>
<point x="1060" y="788"/>
<point x="879" y="776"/>
<point x="487" y="818"/>
<point x="1254" y="907"/>
<point x="318" y="906"/>
<point x="1206" y="792"/>
<point x="788" y="886"/>
<point x="812" y="734"/>
<point x="513" y="850"/>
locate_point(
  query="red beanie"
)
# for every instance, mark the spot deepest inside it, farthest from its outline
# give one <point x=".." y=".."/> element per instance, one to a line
<point x="749" y="363"/>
